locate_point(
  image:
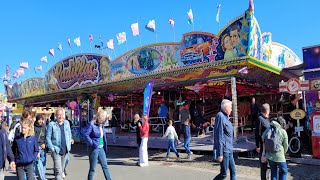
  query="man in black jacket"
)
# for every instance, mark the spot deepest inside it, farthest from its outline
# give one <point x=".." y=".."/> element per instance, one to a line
<point x="40" y="134"/>
<point x="6" y="152"/>
<point x="261" y="125"/>
<point x="254" y="113"/>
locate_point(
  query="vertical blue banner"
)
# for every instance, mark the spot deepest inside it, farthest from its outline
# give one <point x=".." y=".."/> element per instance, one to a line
<point x="147" y="98"/>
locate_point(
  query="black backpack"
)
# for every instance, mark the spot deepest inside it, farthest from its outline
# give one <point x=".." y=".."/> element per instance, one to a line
<point x="273" y="140"/>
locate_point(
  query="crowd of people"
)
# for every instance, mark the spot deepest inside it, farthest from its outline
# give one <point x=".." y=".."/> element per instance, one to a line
<point x="29" y="140"/>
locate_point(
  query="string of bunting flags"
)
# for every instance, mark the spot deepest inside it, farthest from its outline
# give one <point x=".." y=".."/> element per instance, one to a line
<point x="121" y="38"/>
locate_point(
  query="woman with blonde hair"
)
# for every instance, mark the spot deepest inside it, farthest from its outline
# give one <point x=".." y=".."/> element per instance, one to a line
<point x="25" y="149"/>
<point x="96" y="138"/>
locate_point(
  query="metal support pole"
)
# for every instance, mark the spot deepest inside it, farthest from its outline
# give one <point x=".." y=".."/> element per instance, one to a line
<point x="234" y="106"/>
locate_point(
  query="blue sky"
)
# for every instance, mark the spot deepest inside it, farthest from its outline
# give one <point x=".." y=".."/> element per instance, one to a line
<point x="30" y="28"/>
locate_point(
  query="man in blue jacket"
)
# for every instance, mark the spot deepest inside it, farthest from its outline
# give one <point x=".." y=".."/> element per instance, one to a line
<point x="223" y="141"/>
<point x="5" y="150"/>
<point x="59" y="142"/>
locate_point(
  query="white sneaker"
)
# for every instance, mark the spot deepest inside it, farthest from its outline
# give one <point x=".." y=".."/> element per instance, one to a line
<point x="63" y="175"/>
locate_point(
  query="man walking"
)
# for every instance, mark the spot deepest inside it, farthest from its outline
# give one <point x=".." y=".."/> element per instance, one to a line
<point x="223" y="141"/>
<point x="261" y="125"/>
<point x="184" y="114"/>
<point x="254" y="113"/>
<point x="59" y="141"/>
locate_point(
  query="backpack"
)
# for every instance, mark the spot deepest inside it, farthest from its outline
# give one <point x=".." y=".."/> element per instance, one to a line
<point x="12" y="132"/>
<point x="273" y="140"/>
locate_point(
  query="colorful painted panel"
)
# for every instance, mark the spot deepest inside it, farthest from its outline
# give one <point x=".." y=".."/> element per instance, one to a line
<point x="13" y="91"/>
<point x="198" y="48"/>
<point x="254" y="39"/>
<point x="33" y="87"/>
<point x="78" y="70"/>
<point x="233" y="41"/>
<point x="277" y="54"/>
<point x="144" y="61"/>
<point x="266" y="47"/>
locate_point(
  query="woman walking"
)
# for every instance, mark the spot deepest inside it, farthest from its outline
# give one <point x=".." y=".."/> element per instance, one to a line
<point x="25" y="150"/>
<point x="275" y="140"/>
<point x="97" y="140"/>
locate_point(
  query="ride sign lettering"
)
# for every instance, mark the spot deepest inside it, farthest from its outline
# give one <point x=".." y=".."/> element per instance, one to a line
<point x="77" y="72"/>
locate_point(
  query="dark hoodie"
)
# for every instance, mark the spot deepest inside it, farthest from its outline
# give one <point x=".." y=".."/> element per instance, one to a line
<point x="40" y="133"/>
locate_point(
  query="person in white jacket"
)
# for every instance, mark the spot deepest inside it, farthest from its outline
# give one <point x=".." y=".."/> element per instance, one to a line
<point x="172" y="135"/>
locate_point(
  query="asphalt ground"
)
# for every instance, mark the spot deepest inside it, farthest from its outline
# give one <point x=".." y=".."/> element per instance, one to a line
<point x="122" y="164"/>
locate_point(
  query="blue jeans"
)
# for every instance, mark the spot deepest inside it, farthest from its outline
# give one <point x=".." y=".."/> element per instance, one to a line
<point x="25" y="171"/>
<point x="282" y="167"/>
<point x="94" y="156"/>
<point x="41" y="172"/>
<point x="187" y="144"/>
<point x="171" y="146"/>
<point x="227" y="162"/>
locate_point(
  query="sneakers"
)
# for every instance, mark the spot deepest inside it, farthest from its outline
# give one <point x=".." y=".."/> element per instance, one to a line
<point x="178" y="159"/>
<point x="191" y="152"/>
<point x="167" y="158"/>
<point x="63" y="175"/>
<point x="189" y="156"/>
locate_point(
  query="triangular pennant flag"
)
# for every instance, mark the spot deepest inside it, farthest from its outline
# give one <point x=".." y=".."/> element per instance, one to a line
<point x="110" y="44"/>
<point x="77" y="41"/>
<point x="218" y="13"/>
<point x="69" y="42"/>
<point x="24" y="65"/>
<point x="51" y="52"/>
<point x="59" y="46"/>
<point x="135" y="29"/>
<point x="171" y="22"/>
<point x="90" y="38"/>
<point x="190" y="16"/>
<point x="44" y="59"/>
<point x="151" y="26"/>
<point x="121" y="37"/>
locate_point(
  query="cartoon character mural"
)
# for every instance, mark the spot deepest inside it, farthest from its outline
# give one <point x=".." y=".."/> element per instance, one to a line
<point x="13" y="91"/>
<point x="52" y="83"/>
<point x="277" y="54"/>
<point x="233" y="40"/>
<point x="104" y="69"/>
<point x="227" y="47"/>
<point x="254" y="41"/>
<point x="266" y="50"/>
<point x="33" y="86"/>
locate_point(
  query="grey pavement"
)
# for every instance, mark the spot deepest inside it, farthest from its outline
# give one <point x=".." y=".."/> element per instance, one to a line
<point x="122" y="164"/>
